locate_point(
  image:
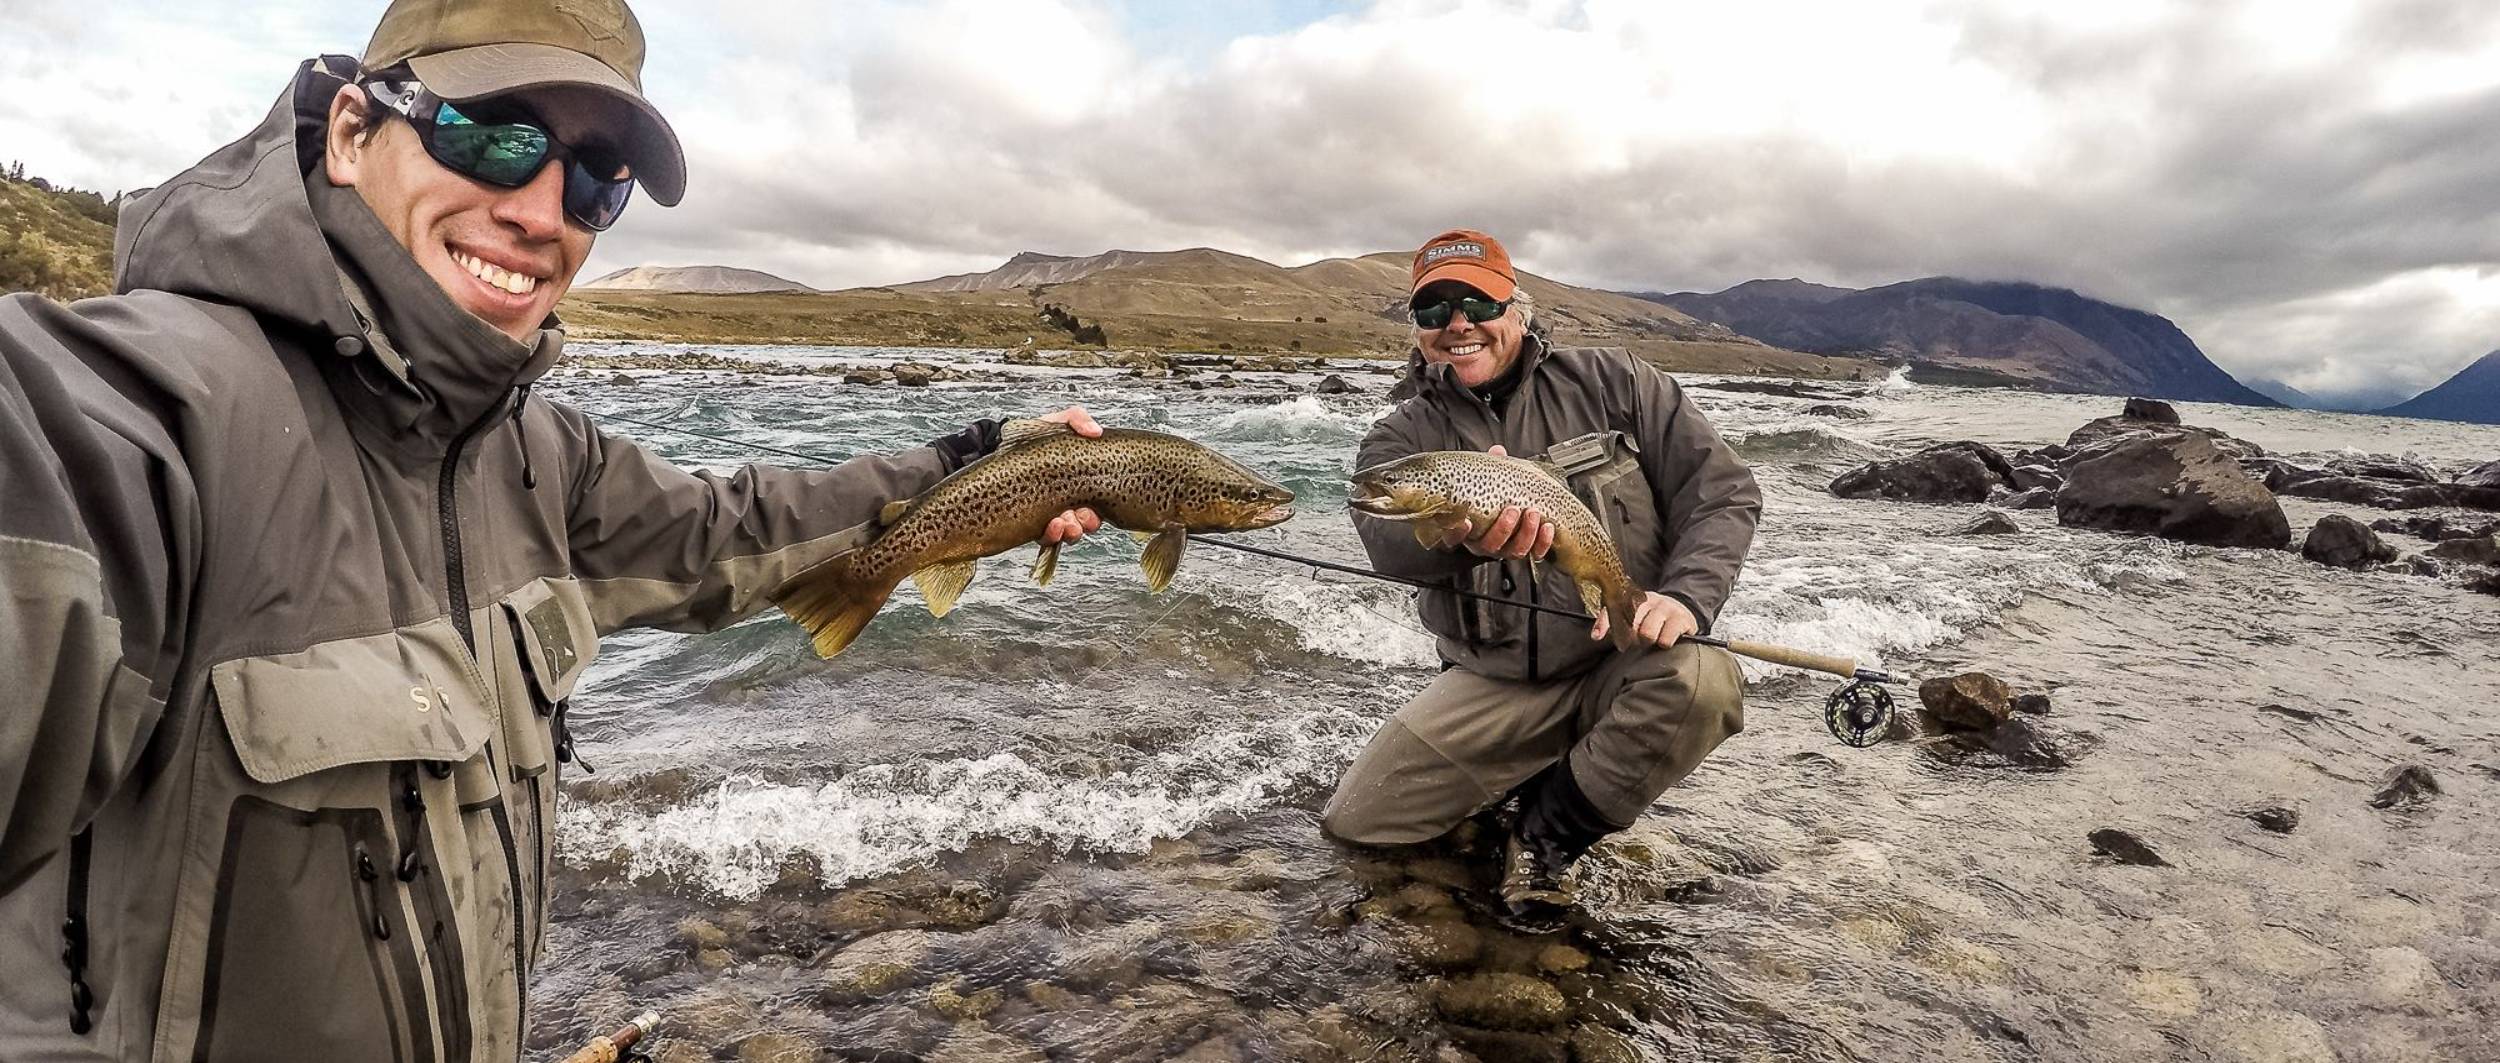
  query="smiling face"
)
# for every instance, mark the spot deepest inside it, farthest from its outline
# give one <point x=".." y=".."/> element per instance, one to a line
<point x="1476" y="353"/>
<point x="503" y="254"/>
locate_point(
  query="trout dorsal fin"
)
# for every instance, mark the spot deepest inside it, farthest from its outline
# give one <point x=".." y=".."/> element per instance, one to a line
<point x="1027" y="428"/>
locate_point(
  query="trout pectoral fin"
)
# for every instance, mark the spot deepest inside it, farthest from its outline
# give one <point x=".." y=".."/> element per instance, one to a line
<point x="1440" y="533"/>
<point x="1046" y="564"/>
<point x="1592" y="596"/>
<point x="1163" y="558"/>
<point x="942" y="583"/>
<point x="832" y="608"/>
<point x="1024" y="428"/>
<point x="893" y="511"/>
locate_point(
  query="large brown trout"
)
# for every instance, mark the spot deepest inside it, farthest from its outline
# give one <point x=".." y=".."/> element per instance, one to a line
<point x="1150" y="483"/>
<point x="1445" y="492"/>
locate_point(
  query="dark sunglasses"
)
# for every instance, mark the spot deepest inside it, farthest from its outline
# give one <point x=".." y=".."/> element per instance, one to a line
<point x="1477" y="308"/>
<point x="508" y="153"/>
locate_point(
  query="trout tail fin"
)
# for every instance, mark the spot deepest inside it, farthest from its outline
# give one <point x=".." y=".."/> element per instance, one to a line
<point x="1618" y="604"/>
<point x="832" y="604"/>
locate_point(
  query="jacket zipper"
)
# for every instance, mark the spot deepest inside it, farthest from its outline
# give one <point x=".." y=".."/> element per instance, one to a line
<point x="74" y="933"/>
<point x="454" y="570"/>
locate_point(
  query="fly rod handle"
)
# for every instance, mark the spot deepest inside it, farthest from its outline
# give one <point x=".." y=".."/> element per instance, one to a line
<point x="1794" y="658"/>
<point x="607" y="1049"/>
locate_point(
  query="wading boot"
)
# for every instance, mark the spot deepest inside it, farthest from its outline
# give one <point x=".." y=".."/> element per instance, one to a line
<point x="1556" y="825"/>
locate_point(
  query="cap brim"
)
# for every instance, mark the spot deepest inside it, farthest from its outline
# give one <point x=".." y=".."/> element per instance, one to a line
<point x="464" y="74"/>
<point x="1472" y="274"/>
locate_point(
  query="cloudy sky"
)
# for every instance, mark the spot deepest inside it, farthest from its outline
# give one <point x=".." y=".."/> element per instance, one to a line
<point x="2311" y="188"/>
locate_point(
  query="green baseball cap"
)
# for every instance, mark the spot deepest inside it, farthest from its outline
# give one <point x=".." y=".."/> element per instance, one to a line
<point x="467" y="50"/>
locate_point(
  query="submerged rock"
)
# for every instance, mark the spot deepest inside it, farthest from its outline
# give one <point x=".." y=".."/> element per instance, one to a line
<point x="2034" y="498"/>
<point x="2486" y="474"/>
<point x="2343" y="542"/>
<point x="1973" y="701"/>
<point x="2174" y="486"/>
<point x="1991" y="522"/>
<point x="1332" y="384"/>
<point x="2034" y="704"/>
<point x="2125" y="848"/>
<point x="2408" y="785"/>
<point x="1834" y="409"/>
<point x="2478" y="551"/>
<point x="1501" y="1001"/>
<point x="1946" y="472"/>
<point x="2274" y="818"/>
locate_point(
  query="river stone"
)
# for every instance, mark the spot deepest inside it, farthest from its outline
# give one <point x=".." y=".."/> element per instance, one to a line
<point x="1989" y="522"/>
<point x="625" y="380"/>
<point x="776" y="1048"/>
<point x="2174" y="486"/>
<point x="874" y="965"/>
<point x="1439" y="943"/>
<point x="2409" y="784"/>
<point x="1834" y="409"/>
<point x="914" y="375"/>
<point x="1972" y="701"/>
<point x="2487" y="583"/>
<point x="1946" y="472"/>
<point x="2032" y="498"/>
<point x="1597" y="1044"/>
<point x="2343" y="542"/>
<point x="866" y="376"/>
<point x="1561" y="959"/>
<point x="2275" y="818"/>
<point x="2479" y="551"/>
<point x="2486" y="474"/>
<point x="1332" y="384"/>
<point x="2035" y="704"/>
<point x="2154" y="410"/>
<point x="698" y="934"/>
<point x="2125" y="848"/>
<point x="1501" y="1001"/>
<point x="948" y="998"/>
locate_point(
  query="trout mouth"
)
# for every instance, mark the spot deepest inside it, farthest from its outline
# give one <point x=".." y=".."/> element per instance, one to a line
<point x="1272" y="515"/>
<point x="1374" y="498"/>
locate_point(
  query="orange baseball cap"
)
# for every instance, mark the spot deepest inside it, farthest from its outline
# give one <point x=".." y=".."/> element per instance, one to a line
<point x="1466" y="256"/>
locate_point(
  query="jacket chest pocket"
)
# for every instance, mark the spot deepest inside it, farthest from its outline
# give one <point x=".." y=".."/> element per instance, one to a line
<point x="545" y="637"/>
<point x="1604" y="469"/>
<point x="322" y="911"/>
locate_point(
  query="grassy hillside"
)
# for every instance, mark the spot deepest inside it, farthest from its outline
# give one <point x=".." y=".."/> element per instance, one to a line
<point x="1195" y="300"/>
<point x="55" y="242"/>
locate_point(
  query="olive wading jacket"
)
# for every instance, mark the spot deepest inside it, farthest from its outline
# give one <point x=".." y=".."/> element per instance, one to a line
<point x="295" y="581"/>
<point x="1679" y="503"/>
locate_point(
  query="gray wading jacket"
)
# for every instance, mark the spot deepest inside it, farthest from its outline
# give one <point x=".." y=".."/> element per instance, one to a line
<point x="295" y="581"/>
<point x="1680" y="504"/>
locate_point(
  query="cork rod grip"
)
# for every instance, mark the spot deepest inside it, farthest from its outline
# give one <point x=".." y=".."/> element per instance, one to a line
<point x="1794" y="658"/>
<point x="607" y="1049"/>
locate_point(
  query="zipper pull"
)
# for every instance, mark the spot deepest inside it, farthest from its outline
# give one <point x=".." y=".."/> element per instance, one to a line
<point x="564" y="741"/>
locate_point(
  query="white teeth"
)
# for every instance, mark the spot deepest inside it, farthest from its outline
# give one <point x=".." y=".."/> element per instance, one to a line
<point x="516" y="283"/>
<point x="1464" y="350"/>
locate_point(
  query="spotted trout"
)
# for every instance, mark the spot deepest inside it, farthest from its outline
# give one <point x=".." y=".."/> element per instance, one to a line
<point x="1443" y="492"/>
<point x="1161" y="487"/>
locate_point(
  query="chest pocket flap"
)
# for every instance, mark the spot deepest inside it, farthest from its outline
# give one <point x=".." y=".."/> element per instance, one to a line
<point x="551" y="621"/>
<point x="403" y="695"/>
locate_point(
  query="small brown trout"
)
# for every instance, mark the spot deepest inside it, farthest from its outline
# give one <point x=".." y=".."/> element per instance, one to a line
<point x="1156" y="485"/>
<point x="1444" y="492"/>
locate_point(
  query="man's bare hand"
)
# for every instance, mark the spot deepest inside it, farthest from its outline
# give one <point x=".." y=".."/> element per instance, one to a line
<point x="1072" y="525"/>
<point x="1516" y="532"/>
<point x="1659" y="619"/>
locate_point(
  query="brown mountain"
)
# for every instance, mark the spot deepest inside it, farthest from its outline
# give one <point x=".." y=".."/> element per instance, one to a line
<point x="2471" y="395"/>
<point x="2014" y="333"/>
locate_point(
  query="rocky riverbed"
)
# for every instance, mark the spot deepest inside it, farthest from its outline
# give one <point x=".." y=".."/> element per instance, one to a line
<point x="2231" y="808"/>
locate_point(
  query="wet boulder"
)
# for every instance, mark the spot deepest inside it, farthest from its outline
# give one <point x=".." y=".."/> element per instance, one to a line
<point x="2027" y="744"/>
<point x="2174" y="486"/>
<point x="1332" y="384"/>
<point x="914" y="375"/>
<point x="1836" y="410"/>
<point x="1971" y="701"/>
<point x="2035" y="498"/>
<point x="2486" y="475"/>
<point x="2160" y="420"/>
<point x="866" y="376"/>
<point x="1946" y="472"/>
<point x="2125" y="847"/>
<point x="2486" y="583"/>
<point x="2032" y="704"/>
<point x="2407" y="785"/>
<point x="2343" y="542"/>
<point x="2152" y="410"/>
<point x="2274" y="818"/>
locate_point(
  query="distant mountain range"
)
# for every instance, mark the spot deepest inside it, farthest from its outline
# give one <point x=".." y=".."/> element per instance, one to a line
<point x="712" y="280"/>
<point x="2288" y="395"/>
<point x="2025" y="334"/>
<point x="2471" y="395"/>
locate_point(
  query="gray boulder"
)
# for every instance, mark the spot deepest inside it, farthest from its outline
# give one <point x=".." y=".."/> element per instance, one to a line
<point x="2178" y="486"/>
<point x="1971" y="701"/>
<point x="1946" y="472"/>
<point x="1332" y="384"/>
<point x="2153" y="410"/>
<point x="1991" y="522"/>
<point x="2035" y="498"/>
<point x="2344" y="543"/>
<point x="2486" y="474"/>
<point x="2479" y="551"/>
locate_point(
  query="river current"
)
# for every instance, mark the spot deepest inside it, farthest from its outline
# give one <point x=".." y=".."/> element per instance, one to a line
<point x="1080" y="822"/>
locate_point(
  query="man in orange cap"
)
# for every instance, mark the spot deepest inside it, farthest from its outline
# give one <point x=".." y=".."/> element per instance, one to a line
<point x="1530" y="705"/>
<point x="296" y="582"/>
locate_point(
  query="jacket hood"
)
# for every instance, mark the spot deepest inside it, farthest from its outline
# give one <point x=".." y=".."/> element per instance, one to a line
<point x="256" y="225"/>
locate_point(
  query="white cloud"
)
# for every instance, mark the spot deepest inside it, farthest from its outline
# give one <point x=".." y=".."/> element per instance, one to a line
<point x="2276" y="175"/>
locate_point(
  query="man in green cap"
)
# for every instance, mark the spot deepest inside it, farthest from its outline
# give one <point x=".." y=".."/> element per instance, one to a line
<point x="296" y="580"/>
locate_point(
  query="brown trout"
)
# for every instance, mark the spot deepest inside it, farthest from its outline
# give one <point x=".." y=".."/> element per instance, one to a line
<point x="1443" y="491"/>
<point x="1150" y="483"/>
